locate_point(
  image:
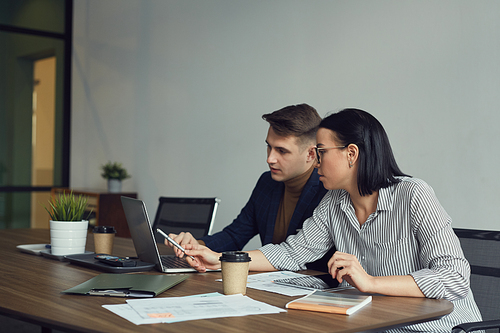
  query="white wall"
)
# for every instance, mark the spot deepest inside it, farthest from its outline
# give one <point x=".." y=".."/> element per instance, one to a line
<point x="175" y="90"/>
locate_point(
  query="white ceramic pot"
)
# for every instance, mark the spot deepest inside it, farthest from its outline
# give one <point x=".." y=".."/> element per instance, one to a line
<point x="67" y="237"/>
<point x="114" y="185"/>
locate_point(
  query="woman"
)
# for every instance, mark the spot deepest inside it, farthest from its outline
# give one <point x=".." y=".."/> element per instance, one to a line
<point x="391" y="233"/>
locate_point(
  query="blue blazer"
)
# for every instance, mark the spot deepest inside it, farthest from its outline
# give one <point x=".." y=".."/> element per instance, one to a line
<point x="259" y="214"/>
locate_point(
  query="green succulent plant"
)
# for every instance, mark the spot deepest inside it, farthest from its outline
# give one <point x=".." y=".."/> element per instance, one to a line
<point x="114" y="171"/>
<point x="67" y="207"/>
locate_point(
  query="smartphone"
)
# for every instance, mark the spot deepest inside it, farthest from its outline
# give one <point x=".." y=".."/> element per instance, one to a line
<point x="310" y="282"/>
<point x="115" y="261"/>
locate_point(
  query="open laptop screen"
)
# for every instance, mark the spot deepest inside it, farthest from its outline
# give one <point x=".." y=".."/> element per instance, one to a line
<point x="140" y="230"/>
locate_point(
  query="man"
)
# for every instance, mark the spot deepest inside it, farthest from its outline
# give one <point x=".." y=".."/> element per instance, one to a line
<point x="285" y="196"/>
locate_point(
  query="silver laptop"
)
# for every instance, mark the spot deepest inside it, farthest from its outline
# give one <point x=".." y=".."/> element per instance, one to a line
<point x="144" y="240"/>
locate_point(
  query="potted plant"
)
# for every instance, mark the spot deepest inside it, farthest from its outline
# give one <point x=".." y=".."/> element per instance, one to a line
<point x="68" y="226"/>
<point x="114" y="173"/>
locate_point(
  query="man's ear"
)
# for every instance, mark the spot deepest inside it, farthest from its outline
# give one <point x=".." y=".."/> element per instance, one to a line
<point x="311" y="154"/>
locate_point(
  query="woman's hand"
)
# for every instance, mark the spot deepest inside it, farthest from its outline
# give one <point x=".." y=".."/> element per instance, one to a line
<point x="204" y="257"/>
<point x="344" y="266"/>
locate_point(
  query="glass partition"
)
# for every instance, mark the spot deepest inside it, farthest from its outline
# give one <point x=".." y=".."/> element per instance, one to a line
<point x="46" y="15"/>
<point x="34" y="107"/>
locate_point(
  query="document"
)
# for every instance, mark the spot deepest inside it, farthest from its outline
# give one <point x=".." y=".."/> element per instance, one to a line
<point x="264" y="281"/>
<point x="175" y="309"/>
<point x="127" y="312"/>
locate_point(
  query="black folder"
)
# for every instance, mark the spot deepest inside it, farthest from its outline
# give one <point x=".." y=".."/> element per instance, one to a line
<point x="127" y="285"/>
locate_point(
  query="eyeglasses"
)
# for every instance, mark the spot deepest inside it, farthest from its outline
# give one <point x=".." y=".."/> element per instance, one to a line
<point x="319" y="151"/>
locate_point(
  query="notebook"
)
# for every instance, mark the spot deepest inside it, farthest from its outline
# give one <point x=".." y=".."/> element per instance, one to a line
<point x="144" y="240"/>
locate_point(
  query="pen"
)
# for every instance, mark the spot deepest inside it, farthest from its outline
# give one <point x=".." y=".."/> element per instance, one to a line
<point x="174" y="243"/>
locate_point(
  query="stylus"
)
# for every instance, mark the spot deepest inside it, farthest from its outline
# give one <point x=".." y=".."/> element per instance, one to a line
<point x="174" y="243"/>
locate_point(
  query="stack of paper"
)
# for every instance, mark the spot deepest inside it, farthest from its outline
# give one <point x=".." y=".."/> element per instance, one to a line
<point x="174" y="309"/>
<point x="330" y="302"/>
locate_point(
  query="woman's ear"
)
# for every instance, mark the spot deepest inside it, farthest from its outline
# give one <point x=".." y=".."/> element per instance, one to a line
<point x="352" y="154"/>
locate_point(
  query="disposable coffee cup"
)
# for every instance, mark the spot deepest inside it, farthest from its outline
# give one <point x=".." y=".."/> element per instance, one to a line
<point x="234" y="266"/>
<point x="104" y="237"/>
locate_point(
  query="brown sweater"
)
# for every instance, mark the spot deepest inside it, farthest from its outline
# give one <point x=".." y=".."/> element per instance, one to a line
<point x="293" y="189"/>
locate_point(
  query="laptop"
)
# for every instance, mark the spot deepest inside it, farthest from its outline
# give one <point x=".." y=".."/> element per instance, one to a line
<point x="144" y="239"/>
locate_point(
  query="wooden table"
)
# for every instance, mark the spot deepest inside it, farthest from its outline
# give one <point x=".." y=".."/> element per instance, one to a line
<point x="30" y="290"/>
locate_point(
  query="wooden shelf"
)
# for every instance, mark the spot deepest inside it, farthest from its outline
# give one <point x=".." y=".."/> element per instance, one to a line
<point x="106" y="206"/>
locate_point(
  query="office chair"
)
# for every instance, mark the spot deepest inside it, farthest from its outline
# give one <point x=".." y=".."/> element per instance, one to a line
<point x="195" y="215"/>
<point x="482" y="250"/>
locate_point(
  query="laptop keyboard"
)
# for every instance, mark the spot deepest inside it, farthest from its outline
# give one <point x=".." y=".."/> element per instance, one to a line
<point x="174" y="262"/>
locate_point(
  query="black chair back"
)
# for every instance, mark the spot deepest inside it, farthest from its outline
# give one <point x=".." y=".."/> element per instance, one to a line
<point x="195" y="215"/>
<point x="482" y="250"/>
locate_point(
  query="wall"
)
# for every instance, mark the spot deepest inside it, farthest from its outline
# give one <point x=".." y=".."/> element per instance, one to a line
<point x="175" y="90"/>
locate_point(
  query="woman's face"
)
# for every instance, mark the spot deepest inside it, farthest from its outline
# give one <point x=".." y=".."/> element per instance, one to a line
<point x="333" y="168"/>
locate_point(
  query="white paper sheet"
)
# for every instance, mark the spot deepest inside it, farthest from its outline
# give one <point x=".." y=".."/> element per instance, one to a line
<point x="174" y="309"/>
<point x="127" y="312"/>
<point x="264" y="281"/>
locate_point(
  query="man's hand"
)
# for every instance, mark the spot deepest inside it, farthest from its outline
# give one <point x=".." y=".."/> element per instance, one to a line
<point x="183" y="239"/>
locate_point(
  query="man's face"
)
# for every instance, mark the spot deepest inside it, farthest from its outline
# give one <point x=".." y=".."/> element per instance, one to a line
<point x="286" y="159"/>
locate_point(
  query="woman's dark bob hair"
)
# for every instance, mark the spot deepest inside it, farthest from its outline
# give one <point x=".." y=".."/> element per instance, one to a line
<point x="377" y="167"/>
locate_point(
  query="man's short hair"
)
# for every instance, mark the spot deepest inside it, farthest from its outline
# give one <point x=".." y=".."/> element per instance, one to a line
<point x="301" y="121"/>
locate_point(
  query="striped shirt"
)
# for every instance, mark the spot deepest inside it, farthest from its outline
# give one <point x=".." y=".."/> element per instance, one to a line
<point x="409" y="233"/>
